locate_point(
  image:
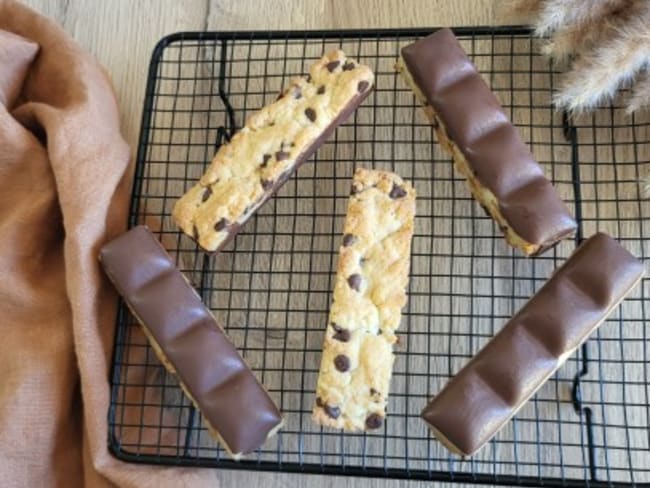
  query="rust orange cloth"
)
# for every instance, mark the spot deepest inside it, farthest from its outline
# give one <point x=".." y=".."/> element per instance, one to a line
<point x="64" y="185"/>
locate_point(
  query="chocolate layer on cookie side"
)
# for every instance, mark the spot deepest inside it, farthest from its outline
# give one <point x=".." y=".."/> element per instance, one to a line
<point x="235" y="227"/>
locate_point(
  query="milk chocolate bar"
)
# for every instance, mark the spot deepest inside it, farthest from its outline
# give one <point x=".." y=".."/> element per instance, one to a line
<point x="190" y="344"/>
<point x="477" y="402"/>
<point x="369" y="294"/>
<point x="487" y="149"/>
<point x="275" y="141"/>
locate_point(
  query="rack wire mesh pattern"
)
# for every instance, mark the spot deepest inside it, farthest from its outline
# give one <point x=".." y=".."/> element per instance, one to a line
<point x="589" y="425"/>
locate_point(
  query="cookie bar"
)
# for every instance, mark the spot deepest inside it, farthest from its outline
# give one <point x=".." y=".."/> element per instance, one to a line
<point x="274" y="142"/>
<point x="369" y="293"/>
<point x="487" y="149"/>
<point x="477" y="402"/>
<point x="188" y="341"/>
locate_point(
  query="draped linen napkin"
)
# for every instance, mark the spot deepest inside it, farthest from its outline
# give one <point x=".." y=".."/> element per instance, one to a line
<point x="64" y="188"/>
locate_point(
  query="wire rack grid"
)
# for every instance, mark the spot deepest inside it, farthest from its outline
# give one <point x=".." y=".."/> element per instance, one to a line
<point x="271" y="287"/>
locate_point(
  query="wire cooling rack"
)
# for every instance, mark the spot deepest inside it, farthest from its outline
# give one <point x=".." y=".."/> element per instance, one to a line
<point x="270" y="288"/>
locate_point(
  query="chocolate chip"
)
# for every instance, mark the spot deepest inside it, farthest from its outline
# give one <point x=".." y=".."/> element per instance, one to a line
<point x="221" y="224"/>
<point x="380" y="332"/>
<point x="308" y="78"/>
<point x="340" y="334"/>
<point x="195" y="232"/>
<point x="374" y="421"/>
<point x="311" y="114"/>
<point x="332" y="412"/>
<point x="362" y="86"/>
<point x="321" y="90"/>
<point x="266" y="184"/>
<point x="265" y="160"/>
<point x="297" y="94"/>
<point x="373" y="392"/>
<point x="349" y="239"/>
<point x="206" y="194"/>
<point x="282" y="94"/>
<point x="332" y="65"/>
<point x="354" y="280"/>
<point x="354" y="189"/>
<point x="342" y="363"/>
<point x="397" y="192"/>
<point x="282" y="155"/>
<point x="348" y="66"/>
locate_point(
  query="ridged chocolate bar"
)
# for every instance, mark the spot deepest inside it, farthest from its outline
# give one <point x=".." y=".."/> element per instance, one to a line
<point x="477" y="402"/>
<point x="189" y="342"/>
<point x="487" y="149"/>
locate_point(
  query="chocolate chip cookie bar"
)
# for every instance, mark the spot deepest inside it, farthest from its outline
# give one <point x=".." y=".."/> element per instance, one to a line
<point x="190" y="344"/>
<point x="275" y="141"/>
<point x="497" y="382"/>
<point x="369" y="294"/>
<point x="487" y="149"/>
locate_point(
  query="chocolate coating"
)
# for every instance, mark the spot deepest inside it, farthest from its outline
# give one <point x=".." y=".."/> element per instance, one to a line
<point x="482" y="397"/>
<point x="226" y="391"/>
<point x="475" y="121"/>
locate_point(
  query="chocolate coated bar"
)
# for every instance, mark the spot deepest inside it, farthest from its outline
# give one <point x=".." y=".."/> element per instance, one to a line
<point x="190" y="343"/>
<point x="487" y="149"/>
<point x="491" y="388"/>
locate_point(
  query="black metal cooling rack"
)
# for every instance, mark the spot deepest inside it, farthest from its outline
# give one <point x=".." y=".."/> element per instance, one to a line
<point x="588" y="426"/>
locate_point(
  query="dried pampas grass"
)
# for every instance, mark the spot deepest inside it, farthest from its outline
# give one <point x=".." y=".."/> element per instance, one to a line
<point x="617" y="60"/>
<point x="605" y="45"/>
<point x="587" y="29"/>
<point x="640" y="97"/>
<point x="605" y="42"/>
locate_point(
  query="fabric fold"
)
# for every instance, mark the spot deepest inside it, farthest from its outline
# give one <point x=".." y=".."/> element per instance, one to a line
<point x="64" y="189"/>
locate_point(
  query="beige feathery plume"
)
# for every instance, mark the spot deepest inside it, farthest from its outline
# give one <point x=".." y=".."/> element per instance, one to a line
<point x="618" y="58"/>
<point x="558" y="14"/>
<point x="591" y="20"/>
<point x="640" y="98"/>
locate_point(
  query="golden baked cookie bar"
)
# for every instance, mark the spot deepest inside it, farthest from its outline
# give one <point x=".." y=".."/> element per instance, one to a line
<point x="274" y="142"/>
<point x="369" y="294"/>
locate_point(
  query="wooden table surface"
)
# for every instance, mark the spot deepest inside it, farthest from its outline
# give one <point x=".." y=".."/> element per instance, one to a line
<point x="122" y="34"/>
